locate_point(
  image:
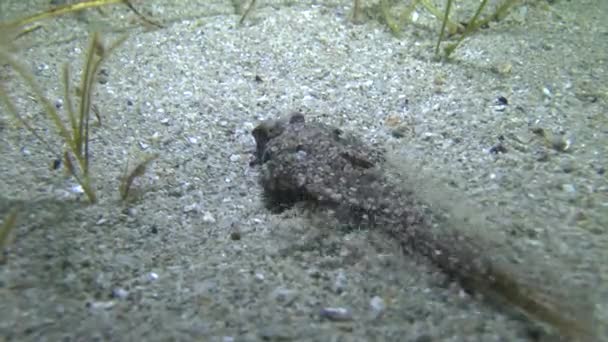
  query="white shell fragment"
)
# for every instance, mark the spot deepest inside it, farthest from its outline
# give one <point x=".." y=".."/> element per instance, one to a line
<point x="151" y="276"/>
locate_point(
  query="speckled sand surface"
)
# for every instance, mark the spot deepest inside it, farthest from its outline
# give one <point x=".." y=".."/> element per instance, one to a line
<point x="165" y="266"/>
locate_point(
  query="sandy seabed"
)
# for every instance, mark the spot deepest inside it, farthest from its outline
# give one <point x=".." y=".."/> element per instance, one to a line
<point x="196" y="256"/>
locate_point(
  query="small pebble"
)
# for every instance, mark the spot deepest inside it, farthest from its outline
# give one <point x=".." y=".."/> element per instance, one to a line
<point x="569" y="188"/>
<point x="102" y="76"/>
<point x="56" y="164"/>
<point x="336" y="314"/>
<point x="132" y="212"/>
<point x="503" y="68"/>
<point x="429" y="136"/>
<point x="155" y="138"/>
<point x="392" y="121"/>
<point x="151" y="276"/>
<point x="60" y="309"/>
<point x="377" y="305"/>
<point x="415" y="16"/>
<point x="235" y="235"/>
<point x="120" y="293"/>
<point x="77" y="189"/>
<point x="100" y="305"/>
<point x="538" y="131"/>
<point x="208" y="218"/>
<point x="498" y="148"/>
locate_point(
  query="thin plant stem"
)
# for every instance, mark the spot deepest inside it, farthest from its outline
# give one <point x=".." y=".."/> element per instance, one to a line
<point x="443" y="24"/>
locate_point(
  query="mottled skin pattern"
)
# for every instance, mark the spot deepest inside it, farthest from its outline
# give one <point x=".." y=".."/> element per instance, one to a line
<point x="322" y="165"/>
<point x="325" y="167"/>
<point x="313" y="162"/>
